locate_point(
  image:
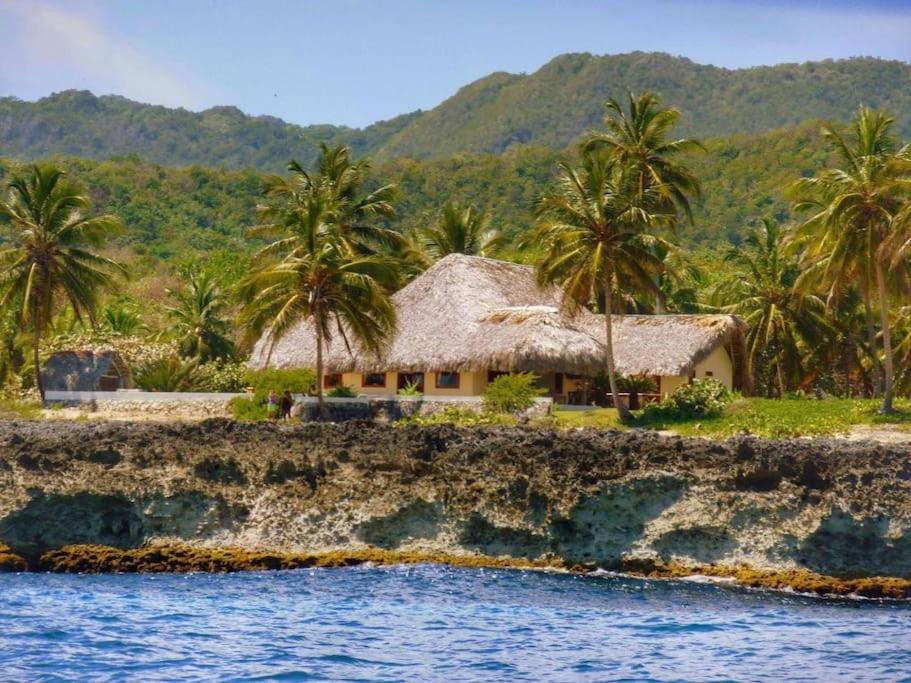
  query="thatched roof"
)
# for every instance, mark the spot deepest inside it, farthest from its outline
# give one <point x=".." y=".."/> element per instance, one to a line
<point x="82" y="370"/>
<point x="468" y="313"/>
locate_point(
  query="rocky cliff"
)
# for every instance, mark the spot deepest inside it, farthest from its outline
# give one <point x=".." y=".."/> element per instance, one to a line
<point x="576" y="499"/>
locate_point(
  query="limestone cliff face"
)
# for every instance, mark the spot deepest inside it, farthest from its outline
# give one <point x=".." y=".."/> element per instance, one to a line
<point x="584" y="497"/>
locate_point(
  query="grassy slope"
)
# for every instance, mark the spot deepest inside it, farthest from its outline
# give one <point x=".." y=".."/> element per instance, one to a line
<point x="762" y="417"/>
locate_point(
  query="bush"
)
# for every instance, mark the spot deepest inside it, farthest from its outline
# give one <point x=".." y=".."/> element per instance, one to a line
<point x="456" y="415"/>
<point x="512" y="393"/>
<point x="169" y="374"/>
<point x="295" y="380"/>
<point x="223" y="376"/>
<point x="410" y="389"/>
<point x="700" y="398"/>
<point x="341" y="391"/>
<point x="248" y="409"/>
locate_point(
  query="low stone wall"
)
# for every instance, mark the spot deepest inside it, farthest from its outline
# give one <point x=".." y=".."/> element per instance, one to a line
<point x="383" y="409"/>
<point x="159" y="406"/>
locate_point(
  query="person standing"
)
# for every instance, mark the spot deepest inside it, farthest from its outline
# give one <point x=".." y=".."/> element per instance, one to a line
<point x="272" y="407"/>
<point x="287" y="402"/>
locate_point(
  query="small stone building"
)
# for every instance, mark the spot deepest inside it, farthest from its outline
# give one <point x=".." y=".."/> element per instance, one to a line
<point x="86" y="370"/>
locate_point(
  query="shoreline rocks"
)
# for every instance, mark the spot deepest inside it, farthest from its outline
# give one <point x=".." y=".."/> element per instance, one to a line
<point x="776" y="512"/>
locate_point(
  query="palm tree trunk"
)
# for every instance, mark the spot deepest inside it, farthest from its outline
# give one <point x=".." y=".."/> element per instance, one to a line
<point x="874" y="351"/>
<point x="321" y="403"/>
<point x="36" y="351"/>
<point x="780" y="378"/>
<point x="622" y="410"/>
<point x="887" y="339"/>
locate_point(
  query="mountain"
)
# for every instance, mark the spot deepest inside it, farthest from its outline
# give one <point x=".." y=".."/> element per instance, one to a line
<point x="563" y="99"/>
<point x="550" y="107"/>
<point x="78" y="123"/>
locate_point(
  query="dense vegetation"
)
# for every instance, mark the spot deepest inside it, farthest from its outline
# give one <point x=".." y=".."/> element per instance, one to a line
<point x="551" y="107"/>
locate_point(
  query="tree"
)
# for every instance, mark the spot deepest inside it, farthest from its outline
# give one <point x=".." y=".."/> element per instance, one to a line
<point x="638" y="139"/>
<point x="50" y="259"/>
<point x="461" y="230"/>
<point x="783" y="318"/>
<point x="322" y="280"/>
<point x="849" y="236"/>
<point x="200" y="325"/>
<point x="338" y="180"/>
<point x="590" y="231"/>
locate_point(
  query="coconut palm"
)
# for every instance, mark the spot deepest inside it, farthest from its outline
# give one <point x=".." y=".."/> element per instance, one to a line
<point x="49" y="260"/>
<point x="850" y="234"/>
<point x="339" y="180"/>
<point x="321" y="281"/>
<point x="784" y="319"/>
<point x="123" y="317"/>
<point x="461" y="230"/>
<point x="199" y="319"/>
<point x="590" y="232"/>
<point x="639" y="139"/>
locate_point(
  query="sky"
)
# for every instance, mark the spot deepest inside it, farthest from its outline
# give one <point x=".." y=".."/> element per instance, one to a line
<point x="354" y="62"/>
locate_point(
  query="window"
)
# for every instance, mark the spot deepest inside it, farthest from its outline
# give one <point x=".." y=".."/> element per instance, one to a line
<point x="709" y="373"/>
<point x="374" y="379"/>
<point x="332" y="381"/>
<point x="447" y="380"/>
<point x="493" y="374"/>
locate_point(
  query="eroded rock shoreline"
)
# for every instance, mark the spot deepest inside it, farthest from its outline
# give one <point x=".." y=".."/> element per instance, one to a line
<point x="824" y="516"/>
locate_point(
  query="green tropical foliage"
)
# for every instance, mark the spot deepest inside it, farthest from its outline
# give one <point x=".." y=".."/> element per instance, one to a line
<point x="169" y="374"/>
<point x="461" y="230"/>
<point x="591" y="234"/>
<point x="50" y="259"/>
<point x="851" y="234"/>
<point x="512" y="393"/>
<point x="786" y="322"/>
<point x="199" y="319"/>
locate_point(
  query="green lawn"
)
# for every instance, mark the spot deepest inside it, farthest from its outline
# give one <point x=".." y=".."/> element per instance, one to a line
<point x="761" y="417"/>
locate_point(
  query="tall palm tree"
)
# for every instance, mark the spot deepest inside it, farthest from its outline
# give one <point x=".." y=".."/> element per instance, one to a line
<point x="321" y="280"/>
<point x="339" y="180"/>
<point x="784" y="319"/>
<point x="639" y="139"/>
<point x="49" y="260"/>
<point x="461" y="230"/>
<point x="199" y="318"/>
<point x="590" y="231"/>
<point x="849" y="235"/>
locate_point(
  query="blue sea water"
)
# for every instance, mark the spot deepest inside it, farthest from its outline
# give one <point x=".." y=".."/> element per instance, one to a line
<point x="433" y="623"/>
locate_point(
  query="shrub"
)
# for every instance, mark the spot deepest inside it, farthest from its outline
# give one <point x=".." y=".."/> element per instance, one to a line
<point x="223" y="375"/>
<point x="634" y="385"/>
<point x="410" y="389"/>
<point x="700" y="398"/>
<point x="341" y="391"/>
<point x="169" y="374"/>
<point x="295" y="380"/>
<point x="512" y="393"/>
<point x="457" y="415"/>
<point x="248" y="409"/>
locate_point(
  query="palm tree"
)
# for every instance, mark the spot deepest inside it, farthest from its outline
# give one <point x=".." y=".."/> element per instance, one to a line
<point x="638" y="139"/>
<point x="200" y="325"/>
<point x="850" y="236"/>
<point x="49" y="260"/>
<point x="461" y="230"/>
<point x="122" y="317"/>
<point x="783" y="318"/>
<point x="339" y="180"/>
<point x="590" y="231"/>
<point x="321" y="280"/>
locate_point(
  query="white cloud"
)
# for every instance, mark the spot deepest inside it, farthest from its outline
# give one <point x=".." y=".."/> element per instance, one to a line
<point x="69" y="47"/>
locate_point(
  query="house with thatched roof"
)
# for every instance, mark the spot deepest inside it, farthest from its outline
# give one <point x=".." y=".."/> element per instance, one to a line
<point x="86" y="370"/>
<point x="468" y="318"/>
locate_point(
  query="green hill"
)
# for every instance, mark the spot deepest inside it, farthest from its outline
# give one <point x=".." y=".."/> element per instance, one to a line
<point x="175" y="211"/>
<point x="550" y="107"/>
<point x="78" y="123"/>
<point x="557" y="103"/>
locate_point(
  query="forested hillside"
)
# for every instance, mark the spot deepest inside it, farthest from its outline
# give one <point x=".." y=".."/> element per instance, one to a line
<point x="173" y="211"/>
<point x="550" y="107"/>
<point x="78" y="123"/>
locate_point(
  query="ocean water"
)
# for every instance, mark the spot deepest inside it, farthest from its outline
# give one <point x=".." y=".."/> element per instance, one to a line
<point x="432" y="623"/>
